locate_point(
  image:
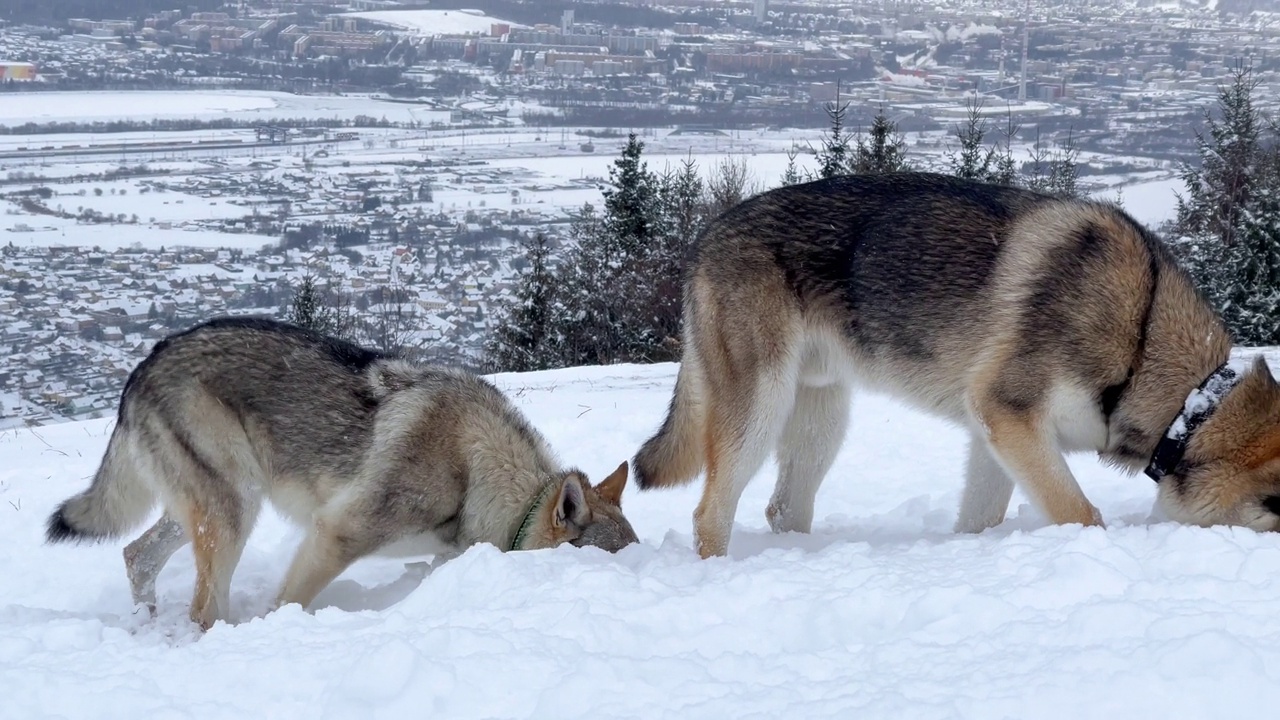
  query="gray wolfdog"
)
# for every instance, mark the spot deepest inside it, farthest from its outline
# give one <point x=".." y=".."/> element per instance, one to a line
<point x="361" y="448"/>
<point x="1042" y="325"/>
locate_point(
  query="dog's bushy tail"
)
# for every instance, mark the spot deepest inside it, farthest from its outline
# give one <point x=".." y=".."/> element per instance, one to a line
<point x="116" y="501"/>
<point x="674" y="455"/>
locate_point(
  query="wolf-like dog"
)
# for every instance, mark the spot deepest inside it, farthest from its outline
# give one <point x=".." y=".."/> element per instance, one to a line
<point x="1043" y="325"/>
<point x="362" y="448"/>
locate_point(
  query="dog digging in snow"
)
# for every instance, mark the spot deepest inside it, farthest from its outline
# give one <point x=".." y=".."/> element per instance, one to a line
<point x="361" y="448"/>
<point x="1042" y="325"/>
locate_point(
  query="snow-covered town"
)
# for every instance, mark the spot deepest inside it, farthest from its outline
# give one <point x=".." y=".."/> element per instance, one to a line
<point x="163" y="167"/>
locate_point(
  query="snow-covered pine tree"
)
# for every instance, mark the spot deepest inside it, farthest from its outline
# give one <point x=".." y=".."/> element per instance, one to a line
<point x="600" y="286"/>
<point x="1064" y="169"/>
<point x="687" y="203"/>
<point x="582" y="329"/>
<point x="834" y="155"/>
<point x="974" y="159"/>
<point x="1219" y="190"/>
<point x="791" y="176"/>
<point x="1004" y="170"/>
<point x="1054" y="171"/>
<point x="1253" y="299"/>
<point x="521" y="339"/>
<point x="883" y="151"/>
<point x="631" y="202"/>
<point x="309" y="308"/>
<point x="1228" y="225"/>
<point x="1037" y="168"/>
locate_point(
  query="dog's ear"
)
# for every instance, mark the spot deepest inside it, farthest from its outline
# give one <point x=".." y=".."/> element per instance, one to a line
<point x="571" y="506"/>
<point x="1263" y="370"/>
<point x="610" y="489"/>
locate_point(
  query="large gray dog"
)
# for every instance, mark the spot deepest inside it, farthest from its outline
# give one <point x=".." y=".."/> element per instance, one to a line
<point x="1042" y="325"/>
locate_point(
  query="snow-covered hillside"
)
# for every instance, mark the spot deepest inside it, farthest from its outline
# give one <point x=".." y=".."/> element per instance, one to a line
<point x="881" y="613"/>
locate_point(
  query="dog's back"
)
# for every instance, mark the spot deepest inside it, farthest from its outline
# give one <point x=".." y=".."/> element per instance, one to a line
<point x="303" y="398"/>
<point x="222" y="410"/>
<point x="895" y="259"/>
<point x="917" y="273"/>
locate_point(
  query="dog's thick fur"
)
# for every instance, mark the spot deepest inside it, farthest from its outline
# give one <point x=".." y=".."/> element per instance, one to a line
<point x="363" y="449"/>
<point x="1043" y="325"/>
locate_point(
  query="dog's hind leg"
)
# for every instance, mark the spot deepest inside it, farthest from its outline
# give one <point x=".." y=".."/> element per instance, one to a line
<point x="742" y="428"/>
<point x="217" y="488"/>
<point x="987" y="489"/>
<point x="219" y="533"/>
<point x="146" y="556"/>
<point x="808" y="446"/>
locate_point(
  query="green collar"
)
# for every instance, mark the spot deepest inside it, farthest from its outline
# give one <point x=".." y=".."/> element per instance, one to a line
<point x="528" y="517"/>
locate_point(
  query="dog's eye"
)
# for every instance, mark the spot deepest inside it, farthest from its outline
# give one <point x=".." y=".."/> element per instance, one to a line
<point x="1272" y="503"/>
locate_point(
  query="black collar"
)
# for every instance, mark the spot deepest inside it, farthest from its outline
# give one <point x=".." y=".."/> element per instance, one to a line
<point x="1199" y="407"/>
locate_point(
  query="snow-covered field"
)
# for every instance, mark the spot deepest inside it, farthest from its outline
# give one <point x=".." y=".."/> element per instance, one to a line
<point x="436" y="22"/>
<point x="547" y="166"/>
<point x="58" y="232"/>
<point x="881" y="613"/>
<point x="142" y="105"/>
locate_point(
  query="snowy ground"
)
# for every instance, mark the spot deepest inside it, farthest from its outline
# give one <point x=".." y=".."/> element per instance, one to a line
<point x="141" y="105"/>
<point x="881" y="613"/>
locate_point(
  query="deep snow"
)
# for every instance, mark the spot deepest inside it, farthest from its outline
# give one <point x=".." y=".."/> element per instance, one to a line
<point x="881" y="613"/>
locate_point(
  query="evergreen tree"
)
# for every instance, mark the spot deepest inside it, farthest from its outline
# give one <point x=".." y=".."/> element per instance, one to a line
<point x="1054" y="171"/>
<point x="308" y="308"/>
<point x="1252" y="307"/>
<point x="615" y="305"/>
<point x="1219" y="190"/>
<point x="1005" y="169"/>
<point x="521" y="341"/>
<point x="884" y="151"/>
<point x="584" y="311"/>
<point x="689" y="204"/>
<point x="1228" y="224"/>
<point x="686" y="205"/>
<point x="630" y="204"/>
<point x="834" y="155"/>
<point x="311" y="307"/>
<point x="791" y="176"/>
<point x="975" y="159"/>
<point x="617" y="291"/>
<point x="1064" y="170"/>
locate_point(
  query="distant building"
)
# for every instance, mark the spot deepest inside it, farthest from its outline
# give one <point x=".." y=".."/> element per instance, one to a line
<point x="762" y="11"/>
<point x="17" y="71"/>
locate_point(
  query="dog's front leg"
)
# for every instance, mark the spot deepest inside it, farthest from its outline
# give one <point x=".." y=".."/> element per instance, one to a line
<point x="1023" y="444"/>
<point x="333" y="542"/>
